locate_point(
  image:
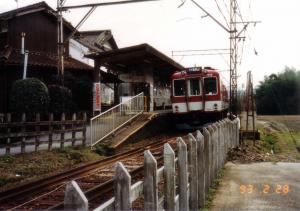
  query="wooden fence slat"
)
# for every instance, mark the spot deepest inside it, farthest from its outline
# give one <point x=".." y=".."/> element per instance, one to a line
<point x="50" y="132"/>
<point x="194" y="165"/>
<point x="37" y="130"/>
<point x="75" y="198"/>
<point x="73" y="131"/>
<point x="23" y="129"/>
<point x="193" y="169"/>
<point x="150" y="182"/>
<point x="183" y="175"/>
<point x="62" y="135"/>
<point x="8" y="141"/>
<point x="206" y="135"/>
<point x="222" y="143"/>
<point x="84" y="130"/>
<point x="211" y="155"/>
<point x="201" y="168"/>
<point x="169" y="178"/>
<point x="215" y="150"/>
<point x="122" y="186"/>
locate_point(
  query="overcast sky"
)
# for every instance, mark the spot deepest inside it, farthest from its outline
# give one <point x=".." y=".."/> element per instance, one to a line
<point x="168" y="28"/>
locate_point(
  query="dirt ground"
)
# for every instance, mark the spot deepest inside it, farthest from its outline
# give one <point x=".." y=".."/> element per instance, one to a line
<point x="280" y="141"/>
<point x="16" y="169"/>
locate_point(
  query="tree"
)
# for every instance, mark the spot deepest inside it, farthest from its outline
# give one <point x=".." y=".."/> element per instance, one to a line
<point x="60" y="100"/>
<point x="279" y="93"/>
<point x="29" y="96"/>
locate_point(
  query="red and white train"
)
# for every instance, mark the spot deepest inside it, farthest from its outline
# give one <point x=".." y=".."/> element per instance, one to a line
<point x="198" y="94"/>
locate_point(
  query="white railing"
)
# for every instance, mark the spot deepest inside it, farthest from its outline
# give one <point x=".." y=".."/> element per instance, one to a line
<point x="111" y="120"/>
<point x="205" y="152"/>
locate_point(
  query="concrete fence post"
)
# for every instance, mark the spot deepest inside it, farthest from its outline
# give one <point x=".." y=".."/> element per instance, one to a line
<point x="75" y="198"/>
<point x="201" y="168"/>
<point x="169" y="178"/>
<point x="223" y="139"/>
<point x="183" y="175"/>
<point x="215" y="149"/>
<point x="228" y="135"/>
<point x="193" y="169"/>
<point x="122" y="186"/>
<point x="218" y="124"/>
<point x="211" y="155"/>
<point x="206" y="135"/>
<point x="150" y="182"/>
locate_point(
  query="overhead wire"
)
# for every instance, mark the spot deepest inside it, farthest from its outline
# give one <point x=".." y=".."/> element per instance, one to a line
<point x="226" y="7"/>
<point x="226" y="21"/>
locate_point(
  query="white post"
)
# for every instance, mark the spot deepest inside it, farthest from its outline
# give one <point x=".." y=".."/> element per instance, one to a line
<point x="25" y="65"/>
<point x="75" y="198"/>
<point x="23" y="42"/>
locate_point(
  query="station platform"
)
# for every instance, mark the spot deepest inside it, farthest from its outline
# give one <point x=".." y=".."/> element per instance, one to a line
<point x="134" y="127"/>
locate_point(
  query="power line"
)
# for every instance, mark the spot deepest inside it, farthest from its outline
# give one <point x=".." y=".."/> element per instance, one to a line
<point x="200" y="54"/>
<point x="226" y="7"/>
<point x="222" y="13"/>
<point x="212" y="49"/>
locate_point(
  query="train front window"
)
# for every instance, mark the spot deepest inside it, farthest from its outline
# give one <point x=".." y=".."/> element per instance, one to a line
<point x="194" y="86"/>
<point x="210" y="85"/>
<point x="179" y="87"/>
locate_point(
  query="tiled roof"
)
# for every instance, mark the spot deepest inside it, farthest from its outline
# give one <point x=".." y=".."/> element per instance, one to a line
<point x="42" y="59"/>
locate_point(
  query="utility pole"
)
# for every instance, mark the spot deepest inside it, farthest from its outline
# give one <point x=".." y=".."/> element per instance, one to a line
<point x="233" y="58"/>
<point x="234" y="36"/>
<point x="60" y="41"/>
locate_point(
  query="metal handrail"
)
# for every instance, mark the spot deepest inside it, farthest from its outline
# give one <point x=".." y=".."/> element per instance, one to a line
<point x="114" y="118"/>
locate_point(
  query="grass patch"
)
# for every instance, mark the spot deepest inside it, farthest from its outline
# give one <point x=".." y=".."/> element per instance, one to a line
<point x="281" y="140"/>
<point x="269" y="142"/>
<point x="213" y="190"/>
<point x="20" y="168"/>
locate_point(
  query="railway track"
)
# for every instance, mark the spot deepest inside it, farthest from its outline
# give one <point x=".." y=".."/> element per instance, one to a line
<point x="94" y="178"/>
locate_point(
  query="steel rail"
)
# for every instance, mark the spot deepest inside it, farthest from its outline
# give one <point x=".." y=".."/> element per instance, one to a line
<point x="33" y="187"/>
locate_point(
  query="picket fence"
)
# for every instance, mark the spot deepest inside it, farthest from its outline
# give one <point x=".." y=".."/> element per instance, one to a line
<point x="197" y="164"/>
<point x="26" y="133"/>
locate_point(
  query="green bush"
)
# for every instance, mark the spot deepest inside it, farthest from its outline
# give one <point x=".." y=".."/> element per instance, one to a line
<point x="60" y="99"/>
<point x="29" y="96"/>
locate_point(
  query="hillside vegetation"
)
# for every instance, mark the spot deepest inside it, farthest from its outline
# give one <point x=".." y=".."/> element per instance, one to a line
<point x="279" y="93"/>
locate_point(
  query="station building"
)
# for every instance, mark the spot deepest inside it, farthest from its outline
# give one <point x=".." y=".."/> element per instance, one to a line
<point x="142" y="68"/>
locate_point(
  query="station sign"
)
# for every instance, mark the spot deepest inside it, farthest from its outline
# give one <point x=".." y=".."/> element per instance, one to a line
<point x="97" y="96"/>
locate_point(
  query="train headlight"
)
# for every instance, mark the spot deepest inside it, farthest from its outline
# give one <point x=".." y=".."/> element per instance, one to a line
<point x="176" y="108"/>
<point x="216" y="106"/>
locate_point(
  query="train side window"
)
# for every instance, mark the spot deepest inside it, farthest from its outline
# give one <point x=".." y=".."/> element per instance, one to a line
<point x="179" y="87"/>
<point x="210" y="85"/>
<point x="194" y="86"/>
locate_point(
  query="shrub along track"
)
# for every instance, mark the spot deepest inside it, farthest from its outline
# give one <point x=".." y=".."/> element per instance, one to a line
<point x="94" y="178"/>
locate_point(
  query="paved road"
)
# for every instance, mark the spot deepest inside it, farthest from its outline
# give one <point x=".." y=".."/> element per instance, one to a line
<point x="259" y="186"/>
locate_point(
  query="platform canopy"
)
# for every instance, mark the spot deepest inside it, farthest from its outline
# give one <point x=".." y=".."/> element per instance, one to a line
<point x="130" y="58"/>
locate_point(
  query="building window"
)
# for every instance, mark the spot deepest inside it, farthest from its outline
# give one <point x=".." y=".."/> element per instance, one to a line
<point x="194" y="86"/>
<point x="179" y="87"/>
<point x="210" y="85"/>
